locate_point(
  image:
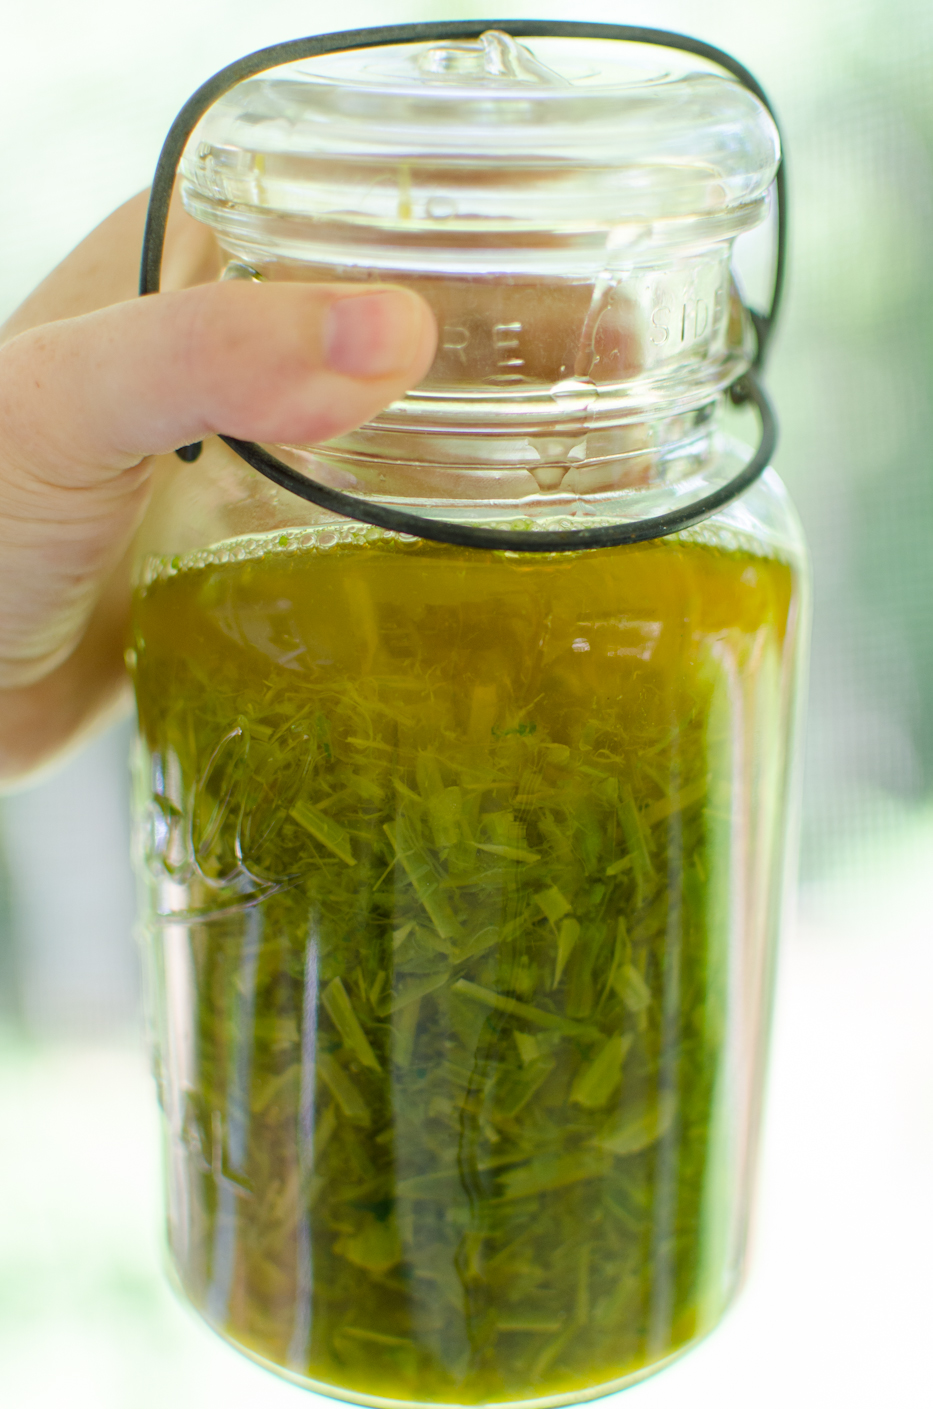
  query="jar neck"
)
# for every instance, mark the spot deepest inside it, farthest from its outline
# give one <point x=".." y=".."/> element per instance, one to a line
<point x="689" y="458"/>
<point x="543" y="382"/>
<point x="570" y="456"/>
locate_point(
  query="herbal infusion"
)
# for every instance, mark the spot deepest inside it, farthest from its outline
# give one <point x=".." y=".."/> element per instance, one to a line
<point x="450" y="854"/>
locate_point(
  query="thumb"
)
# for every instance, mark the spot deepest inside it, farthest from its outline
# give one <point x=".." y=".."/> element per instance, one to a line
<point x="84" y="403"/>
<point x="90" y="396"/>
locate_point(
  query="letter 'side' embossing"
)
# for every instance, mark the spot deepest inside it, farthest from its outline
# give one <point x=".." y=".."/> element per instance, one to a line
<point x="694" y="320"/>
<point x="692" y="323"/>
<point x="660" y="324"/>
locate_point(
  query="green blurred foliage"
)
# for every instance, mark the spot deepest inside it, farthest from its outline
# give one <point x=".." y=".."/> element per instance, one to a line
<point x="852" y="374"/>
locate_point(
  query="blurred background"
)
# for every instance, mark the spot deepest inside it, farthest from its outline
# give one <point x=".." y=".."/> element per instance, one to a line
<point x="839" y="1301"/>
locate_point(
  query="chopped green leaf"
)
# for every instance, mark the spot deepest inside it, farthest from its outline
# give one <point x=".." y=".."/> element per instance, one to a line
<point x="362" y="1333"/>
<point x="632" y="989"/>
<point x="404" y="1031"/>
<point x="596" y="1081"/>
<point x="375" y="1245"/>
<point x="527" y="1045"/>
<point x="338" y="1005"/>
<point x="639" y="1129"/>
<point x="554" y="905"/>
<point x="343" y="1089"/>
<point x="569" y="934"/>
<point x="676" y="802"/>
<point x="517" y="1009"/>
<point x="424" y="879"/>
<point x="549" y="1172"/>
<point x="510" y="853"/>
<point x="324" y="830"/>
<point x="633" y="829"/>
<point x="413" y="990"/>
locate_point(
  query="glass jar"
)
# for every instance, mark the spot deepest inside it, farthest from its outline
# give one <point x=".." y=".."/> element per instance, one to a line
<point x="463" y="867"/>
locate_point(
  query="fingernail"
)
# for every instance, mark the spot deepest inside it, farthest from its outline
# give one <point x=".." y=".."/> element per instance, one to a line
<point x="372" y="335"/>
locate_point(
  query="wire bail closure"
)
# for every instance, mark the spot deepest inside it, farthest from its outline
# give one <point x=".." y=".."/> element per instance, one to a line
<point x="746" y="388"/>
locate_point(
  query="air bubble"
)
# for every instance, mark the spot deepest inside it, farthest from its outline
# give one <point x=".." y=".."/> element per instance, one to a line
<point x="235" y="270"/>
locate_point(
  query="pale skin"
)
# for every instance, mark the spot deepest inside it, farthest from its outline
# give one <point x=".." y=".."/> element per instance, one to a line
<point x="94" y="383"/>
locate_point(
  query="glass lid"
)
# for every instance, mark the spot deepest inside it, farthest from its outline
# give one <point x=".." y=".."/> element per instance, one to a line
<point x="548" y="134"/>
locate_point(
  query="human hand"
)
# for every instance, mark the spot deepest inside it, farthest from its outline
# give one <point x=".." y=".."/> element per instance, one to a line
<point x="95" y="382"/>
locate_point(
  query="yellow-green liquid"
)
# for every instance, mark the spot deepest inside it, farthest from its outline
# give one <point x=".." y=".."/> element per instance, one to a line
<point x="451" y="854"/>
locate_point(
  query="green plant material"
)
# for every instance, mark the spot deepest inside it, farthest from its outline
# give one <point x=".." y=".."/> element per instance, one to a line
<point x="621" y="952"/>
<point x="445" y="810"/>
<point x="277" y="1087"/>
<point x="424" y="879"/>
<point x="595" y="1082"/>
<point x="374" y="1246"/>
<point x="518" y="1010"/>
<point x="569" y="934"/>
<point x="676" y="802"/>
<point x="633" y="828"/>
<point x="360" y="1333"/>
<point x="450" y="954"/>
<point x="344" y="1091"/>
<point x="619" y="866"/>
<point x="639" y="1129"/>
<point x="632" y="989"/>
<point x="375" y="991"/>
<point x="510" y="853"/>
<point x="554" y="905"/>
<point x="339" y="1007"/>
<point x="324" y="830"/>
<point x="413" y="990"/>
<point x="516" y="1087"/>
<point x="549" y="1172"/>
<point x="404" y="1032"/>
<point x="527" y="1045"/>
<point x="529" y="1328"/>
<point x="325" y="1129"/>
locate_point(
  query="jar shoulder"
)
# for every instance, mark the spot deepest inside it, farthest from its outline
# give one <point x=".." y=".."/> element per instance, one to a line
<point x="766" y="516"/>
